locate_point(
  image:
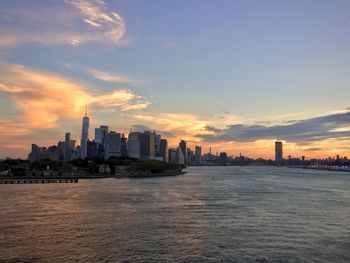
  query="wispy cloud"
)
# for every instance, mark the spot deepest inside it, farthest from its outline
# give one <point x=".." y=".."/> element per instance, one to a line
<point x="43" y="98"/>
<point x="85" y="22"/>
<point x="112" y="77"/>
<point x="105" y="75"/>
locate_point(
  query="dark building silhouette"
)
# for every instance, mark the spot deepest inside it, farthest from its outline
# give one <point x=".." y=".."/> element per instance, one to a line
<point x="163" y="150"/>
<point x="278" y="151"/>
<point x="183" y="146"/>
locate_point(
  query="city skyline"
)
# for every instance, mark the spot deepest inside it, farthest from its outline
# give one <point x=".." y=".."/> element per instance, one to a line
<point x="231" y="76"/>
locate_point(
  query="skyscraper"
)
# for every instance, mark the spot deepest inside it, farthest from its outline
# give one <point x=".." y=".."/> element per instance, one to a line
<point x="163" y="150"/>
<point x="100" y="139"/>
<point x="173" y="155"/>
<point x="183" y="147"/>
<point x="134" y="145"/>
<point x="147" y="145"/>
<point x="198" y="154"/>
<point x="84" y="135"/>
<point x="123" y="146"/>
<point x="180" y="157"/>
<point x="91" y="149"/>
<point x="113" y="145"/>
<point x="67" y="148"/>
<point x="158" y="138"/>
<point x="278" y="151"/>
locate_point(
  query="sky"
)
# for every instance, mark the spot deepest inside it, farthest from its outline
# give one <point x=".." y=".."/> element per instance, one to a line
<point x="228" y="74"/>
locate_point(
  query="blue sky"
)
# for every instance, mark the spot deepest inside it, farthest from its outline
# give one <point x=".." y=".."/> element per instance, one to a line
<point x="212" y="63"/>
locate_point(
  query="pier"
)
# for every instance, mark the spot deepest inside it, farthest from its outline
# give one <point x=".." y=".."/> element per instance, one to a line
<point x="14" y="180"/>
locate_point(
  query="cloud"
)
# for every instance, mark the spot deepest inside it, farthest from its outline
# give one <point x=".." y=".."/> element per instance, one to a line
<point x="174" y="125"/>
<point x="76" y="22"/>
<point x="313" y="149"/>
<point x="309" y="130"/>
<point x="104" y="75"/>
<point x="111" y="77"/>
<point x="43" y="98"/>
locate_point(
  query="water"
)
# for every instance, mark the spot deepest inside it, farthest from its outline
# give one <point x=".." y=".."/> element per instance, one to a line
<point x="211" y="214"/>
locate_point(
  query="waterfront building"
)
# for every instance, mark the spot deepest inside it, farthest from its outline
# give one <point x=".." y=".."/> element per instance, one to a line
<point x="134" y="145"/>
<point x="163" y="150"/>
<point x="147" y="145"/>
<point x="84" y="136"/>
<point x="92" y="149"/>
<point x="158" y="138"/>
<point x="198" y="154"/>
<point x="113" y="145"/>
<point x="180" y="157"/>
<point x="172" y="155"/>
<point x="60" y="148"/>
<point x="183" y="146"/>
<point x="101" y="134"/>
<point x="67" y="147"/>
<point x="278" y="151"/>
<point x="124" y="146"/>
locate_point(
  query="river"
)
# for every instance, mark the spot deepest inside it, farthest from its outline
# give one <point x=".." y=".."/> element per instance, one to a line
<point x="210" y="214"/>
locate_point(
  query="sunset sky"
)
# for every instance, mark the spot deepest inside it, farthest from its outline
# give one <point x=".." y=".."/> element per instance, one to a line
<point x="233" y="75"/>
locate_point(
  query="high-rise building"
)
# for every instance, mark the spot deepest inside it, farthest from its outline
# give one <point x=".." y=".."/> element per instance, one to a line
<point x="113" y="145"/>
<point x="123" y="146"/>
<point x="60" y="147"/>
<point x="198" y="154"/>
<point x="91" y="149"/>
<point x="100" y="139"/>
<point x="134" y="145"/>
<point x="158" y="138"/>
<point x="100" y="134"/>
<point x="84" y="136"/>
<point x="147" y="145"/>
<point x="173" y="155"/>
<point x="67" y="148"/>
<point x="180" y="157"/>
<point x="183" y="147"/>
<point x="278" y="151"/>
<point x="163" y="150"/>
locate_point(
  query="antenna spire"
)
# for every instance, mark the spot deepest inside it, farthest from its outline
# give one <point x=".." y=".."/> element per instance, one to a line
<point x="86" y="110"/>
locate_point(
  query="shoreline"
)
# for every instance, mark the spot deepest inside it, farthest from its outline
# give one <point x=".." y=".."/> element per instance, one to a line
<point x="2" y="178"/>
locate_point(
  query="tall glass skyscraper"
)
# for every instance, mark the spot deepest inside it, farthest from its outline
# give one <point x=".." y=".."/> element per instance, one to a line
<point x="84" y="136"/>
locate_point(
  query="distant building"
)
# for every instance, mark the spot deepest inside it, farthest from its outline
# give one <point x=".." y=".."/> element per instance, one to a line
<point x="84" y="136"/>
<point x="92" y="149"/>
<point x="124" y="146"/>
<point x="198" y="154"/>
<point x="163" y="150"/>
<point x="180" y="157"/>
<point x="223" y="157"/>
<point x="101" y="134"/>
<point x="101" y="139"/>
<point x="134" y="145"/>
<point x="113" y="145"/>
<point x="173" y="155"/>
<point x="67" y="148"/>
<point x="147" y="145"/>
<point x="157" y="145"/>
<point x="183" y="147"/>
<point x="278" y="151"/>
<point x="60" y="148"/>
<point x="189" y="156"/>
<point x="39" y="153"/>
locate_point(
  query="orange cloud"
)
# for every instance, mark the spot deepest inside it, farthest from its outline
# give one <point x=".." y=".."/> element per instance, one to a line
<point x="44" y="98"/>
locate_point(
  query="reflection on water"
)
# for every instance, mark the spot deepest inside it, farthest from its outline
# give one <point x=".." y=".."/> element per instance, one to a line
<point x="211" y="214"/>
